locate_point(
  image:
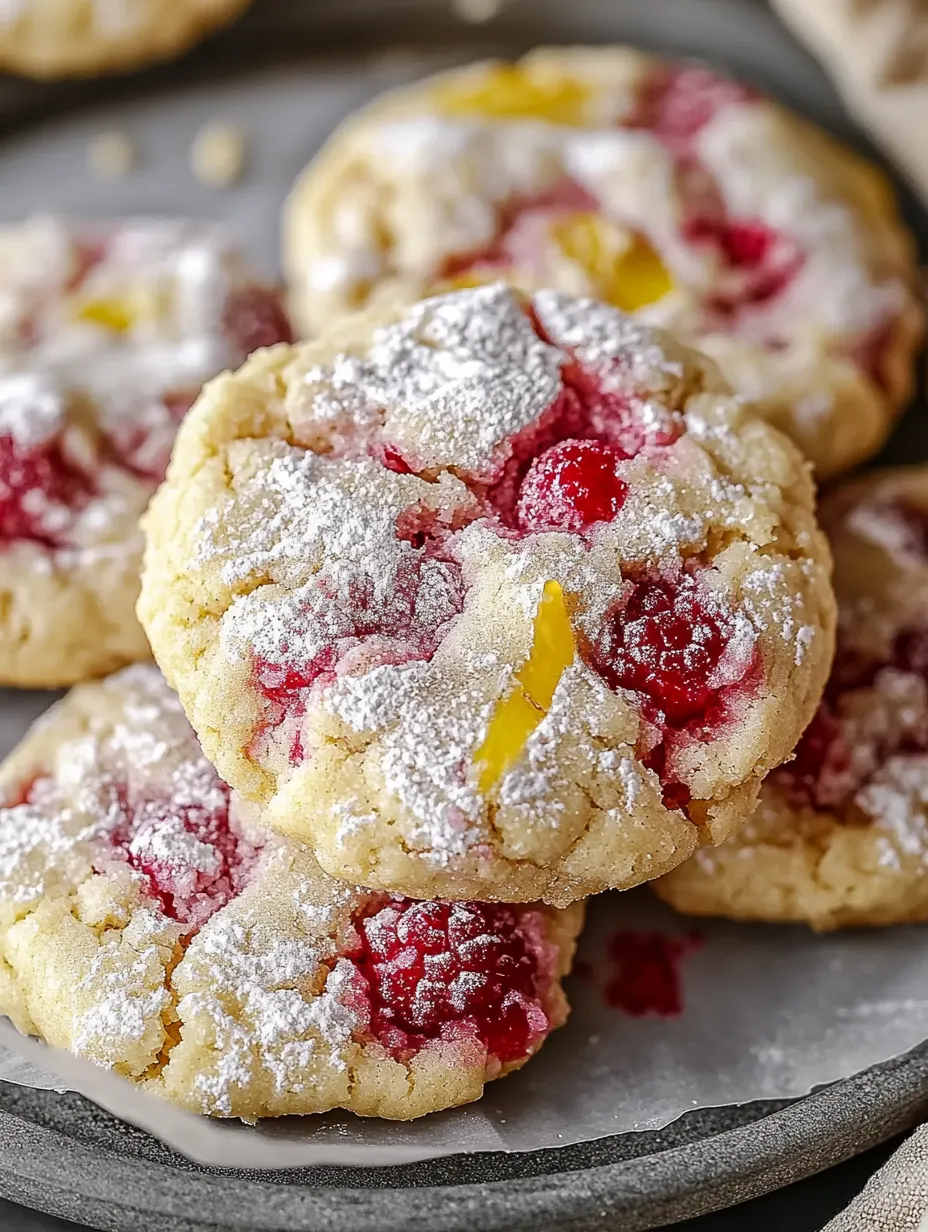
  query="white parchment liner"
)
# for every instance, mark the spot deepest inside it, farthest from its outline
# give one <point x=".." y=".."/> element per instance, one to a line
<point x="769" y="1013"/>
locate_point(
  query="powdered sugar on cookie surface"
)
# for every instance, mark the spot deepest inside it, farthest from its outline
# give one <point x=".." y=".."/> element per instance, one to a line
<point x="406" y="549"/>
<point x="216" y="963"/>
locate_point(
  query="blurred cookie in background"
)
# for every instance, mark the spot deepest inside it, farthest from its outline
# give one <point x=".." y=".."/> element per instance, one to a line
<point x="87" y="38"/>
<point x="107" y="332"/>
<point x="662" y="188"/>
<point x="840" y="836"/>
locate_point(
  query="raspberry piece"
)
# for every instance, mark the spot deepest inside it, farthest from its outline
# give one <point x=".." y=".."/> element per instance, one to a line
<point x="254" y="317"/>
<point x="446" y="971"/>
<point x="909" y="527"/>
<point x="39" y="492"/>
<point x="762" y="261"/>
<point x="825" y="773"/>
<point x="572" y="486"/>
<point x="664" y="645"/>
<point x="352" y="627"/>
<point x="682" y="100"/>
<point x="192" y="859"/>
<point x="820" y="774"/>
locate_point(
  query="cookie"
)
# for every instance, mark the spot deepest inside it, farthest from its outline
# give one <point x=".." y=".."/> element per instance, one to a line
<point x="107" y="332"/>
<point x="86" y="38"/>
<point x="661" y="188"/>
<point x="148" y="925"/>
<point x="489" y="597"/>
<point x="840" y="836"/>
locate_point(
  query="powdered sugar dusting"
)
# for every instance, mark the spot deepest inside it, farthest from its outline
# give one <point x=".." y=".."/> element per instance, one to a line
<point x="31" y="408"/>
<point x="379" y="577"/>
<point x="265" y="1006"/>
<point x="107" y="332"/>
<point x="454" y="378"/>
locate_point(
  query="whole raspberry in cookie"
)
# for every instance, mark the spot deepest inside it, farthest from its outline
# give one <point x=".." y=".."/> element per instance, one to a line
<point x="108" y="332"/>
<point x="147" y="925"/>
<point x="840" y="836"/>
<point x="664" y="189"/>
<point x="490" y="597"/>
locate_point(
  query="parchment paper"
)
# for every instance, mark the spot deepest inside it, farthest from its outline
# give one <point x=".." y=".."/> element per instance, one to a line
<point x="768" y="1013"/>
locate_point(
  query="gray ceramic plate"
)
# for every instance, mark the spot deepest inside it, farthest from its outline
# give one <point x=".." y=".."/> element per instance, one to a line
<point x="288" y="71"/>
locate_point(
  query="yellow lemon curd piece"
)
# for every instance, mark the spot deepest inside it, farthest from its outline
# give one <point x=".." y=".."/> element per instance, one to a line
<point x="121" y="313"/>
<point x="628" y="275"/>
<point x="470" y="278"/>
<point x="118" y="315"/>
<point x="507" y="92"/>
<point x="518" y="714"/>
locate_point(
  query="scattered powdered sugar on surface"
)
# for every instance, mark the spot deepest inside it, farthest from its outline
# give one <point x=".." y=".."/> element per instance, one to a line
<point x="429" y="728"/>
<point x="775" y="607"/>
<point x="897" y="799"/>
<point x="884" y="523"/>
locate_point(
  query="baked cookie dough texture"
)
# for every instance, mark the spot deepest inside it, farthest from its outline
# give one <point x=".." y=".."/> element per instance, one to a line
<point x="661" y="188"/>
<point x="489" y="597"/>
<point x="147" y="925"/>
<point x="840" y="836"/>
<point x="107" y="332"/>
<point x="86" y="38"/>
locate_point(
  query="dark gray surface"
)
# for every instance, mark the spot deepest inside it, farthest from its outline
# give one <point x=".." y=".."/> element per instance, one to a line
<point x="803" y="1207"/>
<point x="61" y="1155"/>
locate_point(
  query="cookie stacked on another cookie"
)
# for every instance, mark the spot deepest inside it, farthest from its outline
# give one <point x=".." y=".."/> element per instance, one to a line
<point x="107" y="332"/>
<point x="490" y="596"/>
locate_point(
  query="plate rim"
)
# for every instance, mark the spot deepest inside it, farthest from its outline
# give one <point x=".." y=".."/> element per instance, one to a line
<point x="46" y="1169"/>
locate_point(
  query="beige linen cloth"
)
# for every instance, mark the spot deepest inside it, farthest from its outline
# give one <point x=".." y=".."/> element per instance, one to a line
<point x="876" y="52"/>
<point x="896" y="1197"/>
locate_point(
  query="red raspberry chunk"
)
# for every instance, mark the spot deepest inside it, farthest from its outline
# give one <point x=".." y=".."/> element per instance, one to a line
<point x="255" y="317"/>
<point x="761" y="261"/>
<point x="826" y="771"/>
<point x="820" y="773"/>
<point x="684" y="99"/>
<point x="192" y="858"/>
<point x="40" y="490"/>
<point x="572" y="486"/>
<point x="646" y="976"/>
<point x="447" y="971"/>
<point x="665" y="645"/>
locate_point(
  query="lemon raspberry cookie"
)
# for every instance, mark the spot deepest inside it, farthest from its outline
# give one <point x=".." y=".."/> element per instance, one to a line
<point x="661" y="188"/>
<point x="840" y="836"/>
<point x="147" y="925"/>
<point x="107" y="332"/>
<point x="489" y="597"/>
<point x="76" y="38"/>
